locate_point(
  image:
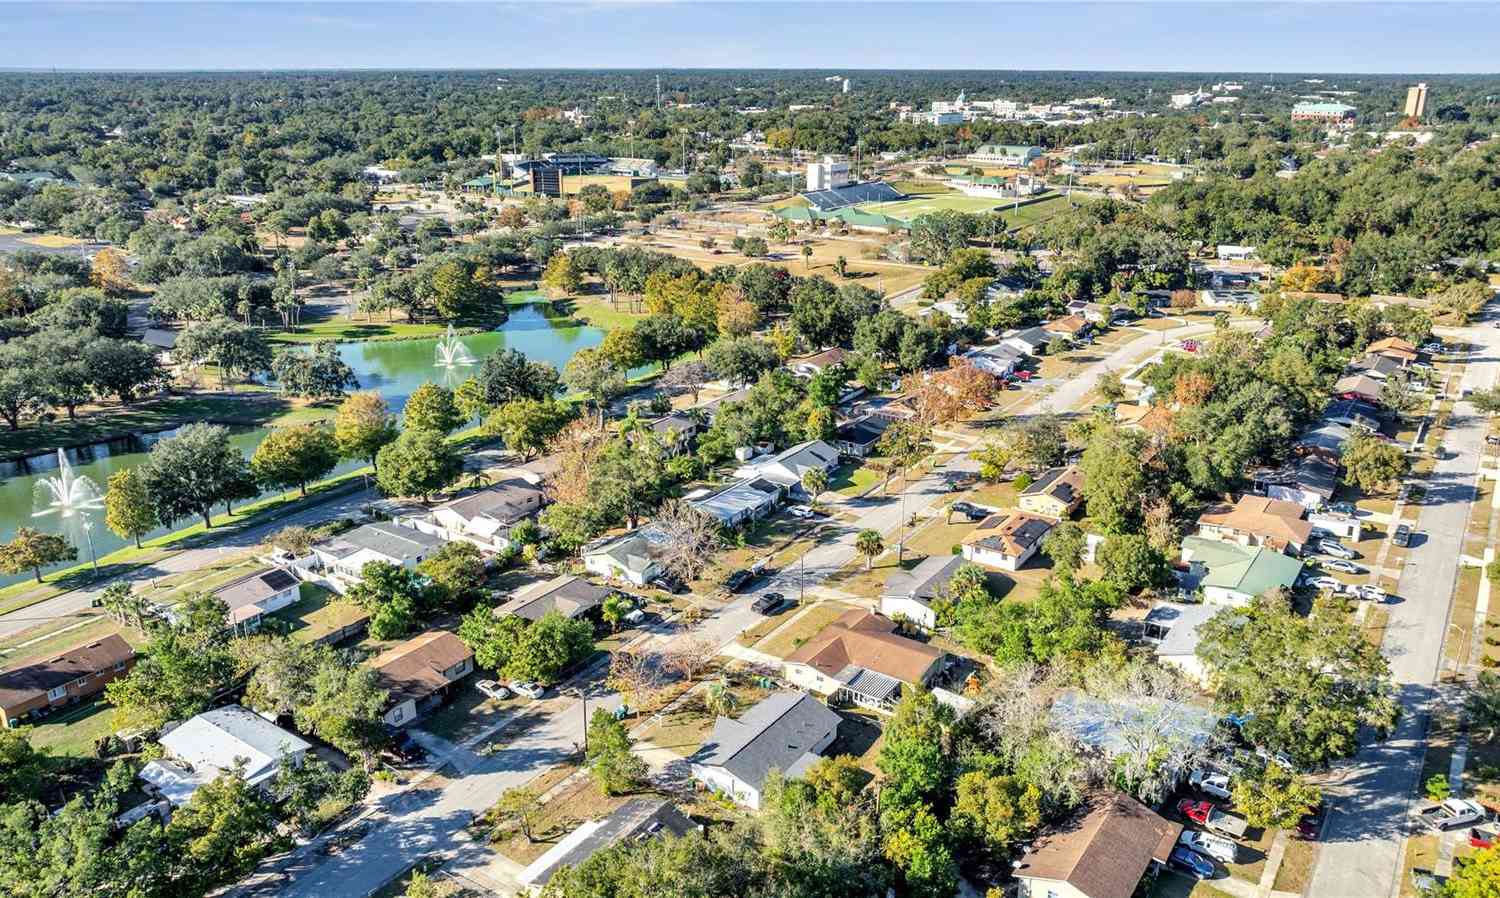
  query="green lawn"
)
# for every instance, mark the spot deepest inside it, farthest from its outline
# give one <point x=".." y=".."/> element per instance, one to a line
<point x="922" y="188"/>
<point x="344" y="330"/>
<point x="73" y="732"/>
<point x="318" y="612"/>
<point x="849" y="480"/>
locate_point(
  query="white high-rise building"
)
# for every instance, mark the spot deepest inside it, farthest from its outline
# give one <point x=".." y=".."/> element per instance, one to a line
<point x="832" y="172"/>
<point x="1416" y="101"/>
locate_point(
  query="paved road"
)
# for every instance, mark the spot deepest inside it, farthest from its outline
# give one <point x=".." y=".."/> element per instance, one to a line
<point x="76" y="603"/>
<point x="1364" y="836"/>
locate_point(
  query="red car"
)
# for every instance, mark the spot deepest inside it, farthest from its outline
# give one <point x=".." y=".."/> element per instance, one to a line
<point x="1023" y="375"/>
<point x="1484" y="836"/>
<point x="1196" y="811"/>
<point x="1190" y="345"/>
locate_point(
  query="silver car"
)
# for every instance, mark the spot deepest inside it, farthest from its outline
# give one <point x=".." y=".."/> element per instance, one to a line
<point x="493" y="689"/>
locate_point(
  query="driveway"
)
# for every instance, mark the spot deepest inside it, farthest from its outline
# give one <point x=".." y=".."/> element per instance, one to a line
<point x="1367" y="823"/>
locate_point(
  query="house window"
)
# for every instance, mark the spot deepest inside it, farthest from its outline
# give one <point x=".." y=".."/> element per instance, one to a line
<point x="58" y="693"/>
<point x="120" y="666"/>
<point x="398" y="714"/>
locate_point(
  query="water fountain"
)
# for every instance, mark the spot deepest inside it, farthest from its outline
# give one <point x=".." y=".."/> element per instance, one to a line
<point x="73" y="498"/>
<point x="452" y="354"/>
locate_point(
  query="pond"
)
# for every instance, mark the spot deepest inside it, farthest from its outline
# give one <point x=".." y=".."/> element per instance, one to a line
<point x="394" y="368"/>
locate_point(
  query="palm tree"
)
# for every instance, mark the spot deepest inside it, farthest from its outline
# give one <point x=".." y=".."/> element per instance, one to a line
<point x="807" y="254"/>
<point x="614" y="610"/>
<point x="815" y="482"/>
<point x="869" y="544"/>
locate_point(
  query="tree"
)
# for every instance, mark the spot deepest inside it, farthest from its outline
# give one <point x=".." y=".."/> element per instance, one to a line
<point x="1065" y="544"/>
<point x="561" y="278"/>
<point x="1477" y="877"/>
<point x="1373" y="464"/>
<point x="346" y="705"/>
<point x="431" y="407"/>
<point x="457" y="573"/>
<point x="123" y="604"/>
<point x="110" y="271"/>
<point x="691" y="656"/>
<point x="31" y="550"/>
<point x="319" y="374"/>
<point x="741" y="360"/>
<point x="1110" y="387"/>
<point x="221" y="832"/>
<point x="1114" y="477"/>
<point x="363" y="426"/>
<point x="1273" y="797"/>
<point x="238" y="350"/>
<point x="392" y="594"/>
<point x="22" y="767"/>
<point x="589" y="372"/>
<point x="295" y="456"/>
<point x="635" y="674"/>
<point x="815" y="482"/>
<point x="623" y="348"/>
<point x="614" y="609"/>
<point x="1132" y="563"/>
<point x="184" y="665"/>
<point x="1484" y="705"/>
<point x="122" y="367"/>
<point x="548" y="647"/>
<point x="687" y="538"/>
<point x="914" y="757"/>
<point x="629" y="478"/>
<point x="690" y="376"/>
<point x="127" y="506"/>
<point x="456" y="288"/>
<point x="418" y="463"/>
<point x="526" y="425"/>
<point x="491" y="637"/>
<point x="519" y="807"/>
<point x="958" y="391"/>
<point x="869" y="543"/>
<point x="615" y="767"/>
<point x="995" y="811"/>
<point x="1308" y="683"/>
<point x="293" y="540"/>
<point x="508" y="375"/>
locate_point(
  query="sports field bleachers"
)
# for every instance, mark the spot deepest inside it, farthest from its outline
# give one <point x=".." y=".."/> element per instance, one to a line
<point x="851" y="195"/>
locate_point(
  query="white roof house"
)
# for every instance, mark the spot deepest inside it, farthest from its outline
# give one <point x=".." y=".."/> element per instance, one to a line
<point x="214" y="742"/>
<point x="999" y="360"/>
<point x="483" y="518"/>
<point x="628" y="556"/>
<point x="747" y="500"/>
<point x="787" y="467"/>
<point x="344" y="557"/>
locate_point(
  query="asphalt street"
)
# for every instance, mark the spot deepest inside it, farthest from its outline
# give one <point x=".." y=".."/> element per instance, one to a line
<point x="1363" y="838"/>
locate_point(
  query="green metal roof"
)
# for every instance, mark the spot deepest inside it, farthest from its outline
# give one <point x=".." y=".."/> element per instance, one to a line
<point x="1245" y="569"/>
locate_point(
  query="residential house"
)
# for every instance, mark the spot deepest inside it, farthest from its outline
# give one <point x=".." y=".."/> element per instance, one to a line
<point x="570" y="596"/>
<point x="1310" y="482"/>
<point x="712" y="406"/>
<point x="1230" y="252"/>
<point x="1353" y="413"/>
<point x="809" y="366"/>
<point x="1394" y="348"/>
<point x="1104" y="851"/>
<point x="216" y="742"/>
<point x="1326" y="441"/>
<point x="908" y="595"/>
<point x="1357" y="386"/>
<point x="1173" y="629"/>
<point x="786" y="468"/>
<point x="484" y="518"/>
<point x="34" y="688"/>
<point x="252" y="597"/>
<point x="740" y="503"/>
<point x="1097" y="313"/>
<point x="342" y="558"/>
<point x="858" y="438"/>
<point x="786" y="731"/>
<point x="1258" y="521"/>
<point x="860" y="659"/>
<point x="1153" y="419"/>
<point x="1070" y="328"/>
<point x="1031" y="341"/>
<point x="629" y="557"/>
<point x="1232" y="574"/>
<point x="1007" y="540"/>
<point x="1000" y="359"/>
<point x="418" y="673"/>
<point x="163" y="341"/>
<point x="1055" y="493"/>
<point x="1228" y="299"/>
<point x="677" y="431"/>
<point x="637" y="819"/>
<point x="1377" y="366"/>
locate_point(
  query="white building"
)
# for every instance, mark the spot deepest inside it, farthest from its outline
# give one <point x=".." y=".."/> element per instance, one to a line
<point x="215" y="742"/>
<point x="627" y="557"/>
<point x="1005" y="154"/>
<point x="786" y="731"/>
<point x="832" y="172"/>
<point x="787" y="467"/>
<point x="483" y="518"/>
<point x="342" y="558"/>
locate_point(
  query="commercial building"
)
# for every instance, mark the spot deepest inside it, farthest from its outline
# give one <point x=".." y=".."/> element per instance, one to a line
<point x="1005" y="154"/>
<point x="70" y="676"/>
<point x="1326" y="113"/>
<point x="828" y="174"/>
<point x="1416" y="101"/>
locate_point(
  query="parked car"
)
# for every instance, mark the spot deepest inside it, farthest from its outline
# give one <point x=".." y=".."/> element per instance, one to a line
<point x="767" y="603"/>
<point x="1216" y="847"/>
<point x="1210" y="783"/>
<point x="1343" y="508"/>
<point x="493" y="689"/>
<point x="403" y="746"/>
<point x="1484" y="836"/>
<point x="1191" y="862"/>
<point x="1327" y="583"/>
<point x="1402" y="536"/>
<point x="800" y="511"/>
<point x="1434" y="346"/>
<point x="1311" y="823"/>
<point x="1335" y="548"/>
<point x="1451" y="813"/>
<point x="970" y="511"/>
<point x="1189" y="345"/>
<point x="635" y="617"/>
<point x="531" y="690"/>
<point x="1347" y="567"/>
<point x="738" y="579"/>
<point x="1371" y="593"/>
<point x="669" y="582"/>
<point x="1493" y="439"/>
<point x="1206" y="814"/>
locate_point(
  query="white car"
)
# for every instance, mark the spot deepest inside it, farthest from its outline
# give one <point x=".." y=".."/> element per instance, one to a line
<point x="493" y="689"/>
<point x="1327" y="583"/>
<point x="530" y="690"/>
<point x="1209" y="783"/>
<point x="1347" y="567"/>
<point x="799" y="511"/>
<point x="1216" y="847"/>
<point x="1371" y="593"/>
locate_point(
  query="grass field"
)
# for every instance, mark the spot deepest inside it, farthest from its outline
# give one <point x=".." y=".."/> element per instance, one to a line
<point x="55" y="241"/>
<point x="906" y="210"/>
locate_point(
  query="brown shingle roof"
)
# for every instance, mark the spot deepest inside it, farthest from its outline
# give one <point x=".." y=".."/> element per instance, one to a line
<point x="414" y="669"/>
<point x="1070" y="325"/>
<point x="24" y="682"/>
<point x="1273" y="520"/>
<point x="1394" y="345"/>
<point x="1013" y="533"/>
<point x="866" y="640"/>
<point x="1104" y="849"/>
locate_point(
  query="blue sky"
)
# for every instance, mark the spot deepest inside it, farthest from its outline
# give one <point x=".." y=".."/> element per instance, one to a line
<point x="1289" y="37"/>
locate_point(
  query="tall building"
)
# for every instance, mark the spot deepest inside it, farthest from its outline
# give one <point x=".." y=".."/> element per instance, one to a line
<point x="832" y="172"/>
<point x="1416" y="101"/>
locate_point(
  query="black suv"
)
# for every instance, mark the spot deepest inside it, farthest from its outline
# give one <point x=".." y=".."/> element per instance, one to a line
<point x="972" y="512"/>
<point x="669" y="582"/>
<point x="768" y="603"/>
<point x="738" y="579"/>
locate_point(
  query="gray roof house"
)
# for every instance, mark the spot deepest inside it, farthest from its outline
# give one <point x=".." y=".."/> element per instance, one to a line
<point x="483" y="518"/>
<point x="787" y="466"/>
<point x="748" y="500"/>
<point x="858" y="438"/>
<point x="568" y="595"/>
<point x="638" y="818"/>
<point x="629" y="556"/>
<point x="909" y="594"/>
<point x="786" y="731"/>
<point x="1173" y="629"/>
<point x="343" y="557"/>
<point x="1032" y="340"/>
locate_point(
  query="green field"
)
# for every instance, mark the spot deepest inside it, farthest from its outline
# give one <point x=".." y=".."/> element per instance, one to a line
<point x="906" y="210"/>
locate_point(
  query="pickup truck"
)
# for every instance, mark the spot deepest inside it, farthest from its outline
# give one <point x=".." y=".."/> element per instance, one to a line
<point x="1207" y="815"/>
<point x="1451" y="814"/>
